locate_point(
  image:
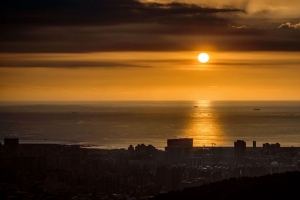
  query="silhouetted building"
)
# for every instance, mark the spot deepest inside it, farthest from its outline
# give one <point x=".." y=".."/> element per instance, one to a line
<point x="271" y="147"/>
<point x="254" y="144"/>
<point x="274" y="147"/>
<point x="239" y="149"/>
<point x="131" y="150"/>
<point x="180" y="142"/>
<point x="266" y="147"/>
<point x="179" y="147"/>
<point x="11" y="143"/>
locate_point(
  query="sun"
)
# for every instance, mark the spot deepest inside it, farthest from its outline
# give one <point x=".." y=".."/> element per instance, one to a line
<point x="203" y="57"/>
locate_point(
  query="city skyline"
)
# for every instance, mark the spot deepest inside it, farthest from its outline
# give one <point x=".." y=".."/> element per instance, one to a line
<point x="144" y="172"/>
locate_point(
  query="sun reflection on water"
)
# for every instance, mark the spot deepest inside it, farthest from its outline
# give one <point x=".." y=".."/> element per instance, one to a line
<point x="204" y="126"/>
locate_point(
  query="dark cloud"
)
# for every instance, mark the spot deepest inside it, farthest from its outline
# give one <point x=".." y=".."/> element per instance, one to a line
<point x="104" y="12"/>
<point x="67" y="64"/>
<point x="149" y="38"/>
<point x="129" y="25"/>
<point x="141" y="63"/>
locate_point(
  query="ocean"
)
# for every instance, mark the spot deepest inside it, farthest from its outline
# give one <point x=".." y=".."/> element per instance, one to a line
<point x="120" y="124"/>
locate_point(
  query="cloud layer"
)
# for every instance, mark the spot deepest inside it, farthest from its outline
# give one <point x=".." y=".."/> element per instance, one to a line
<point x="289" y="25"/>
<point x="105" y="12"/>
<point x="130" y="25"/>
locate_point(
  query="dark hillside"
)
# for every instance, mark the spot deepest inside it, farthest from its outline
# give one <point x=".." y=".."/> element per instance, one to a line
<point x="269" y="187"/>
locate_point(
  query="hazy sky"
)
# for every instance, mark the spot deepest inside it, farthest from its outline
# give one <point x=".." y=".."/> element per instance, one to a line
<point x="147" y="50"/>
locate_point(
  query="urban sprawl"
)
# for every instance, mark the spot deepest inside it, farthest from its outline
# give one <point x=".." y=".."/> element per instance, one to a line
<point x="40" y="171"/>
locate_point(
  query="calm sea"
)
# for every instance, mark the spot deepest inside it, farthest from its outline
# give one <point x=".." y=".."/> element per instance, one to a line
<point x="119" y="124"/>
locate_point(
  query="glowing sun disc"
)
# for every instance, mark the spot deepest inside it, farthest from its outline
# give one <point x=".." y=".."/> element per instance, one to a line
<point x="203" y="57"/>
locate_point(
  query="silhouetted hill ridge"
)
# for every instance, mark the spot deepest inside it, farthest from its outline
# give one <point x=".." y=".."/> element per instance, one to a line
<point x="269" y="187"/>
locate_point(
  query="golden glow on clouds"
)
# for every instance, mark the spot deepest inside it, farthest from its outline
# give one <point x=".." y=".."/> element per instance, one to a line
<point x="287" y="8"/>
<point x="151" y="76"/>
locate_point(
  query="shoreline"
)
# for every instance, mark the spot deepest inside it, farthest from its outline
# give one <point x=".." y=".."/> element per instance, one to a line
<point x="90" y="146"/>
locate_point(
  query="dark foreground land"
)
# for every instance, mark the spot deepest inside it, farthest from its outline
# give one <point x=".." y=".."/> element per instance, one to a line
<point x="269" y="187"/>
<point x="72" y="172"/>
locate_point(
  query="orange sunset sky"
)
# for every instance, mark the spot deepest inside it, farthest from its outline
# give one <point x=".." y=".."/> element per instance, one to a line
<point x="75" y="50"/>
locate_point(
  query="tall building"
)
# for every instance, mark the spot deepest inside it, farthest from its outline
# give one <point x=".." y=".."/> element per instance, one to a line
<point x="239" y="149"/>
<point x="266" y="147"/>
<point x="179" y="147"/>
<point x="180" y="142"/>
<point x="270" y="148"/>
<point x="275" y="147"/>
<point x="254" y="144"/>
<point x="131" y="150"/>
